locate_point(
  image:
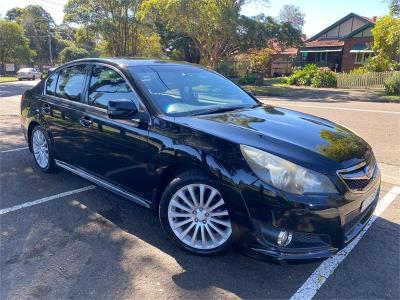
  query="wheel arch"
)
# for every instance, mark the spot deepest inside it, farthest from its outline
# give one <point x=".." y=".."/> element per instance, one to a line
<point x="32" y="125"/>
<point x="169" y="173"/>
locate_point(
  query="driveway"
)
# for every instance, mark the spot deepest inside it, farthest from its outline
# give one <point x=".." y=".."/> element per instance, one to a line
<point x="62" y="237"/>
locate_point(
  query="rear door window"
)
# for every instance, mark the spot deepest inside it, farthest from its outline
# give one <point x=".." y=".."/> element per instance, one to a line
<point x="107" y="84"/>
<point x="51" y="84"/>
<point x="71" y="82"/>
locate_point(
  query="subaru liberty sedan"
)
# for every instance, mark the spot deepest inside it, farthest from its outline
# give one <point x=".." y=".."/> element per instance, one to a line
<point x="217" y="167"/>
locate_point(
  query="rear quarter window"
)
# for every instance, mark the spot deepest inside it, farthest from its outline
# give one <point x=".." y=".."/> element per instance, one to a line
<point x="70" y="82"/>
<point x="51" y="84"/>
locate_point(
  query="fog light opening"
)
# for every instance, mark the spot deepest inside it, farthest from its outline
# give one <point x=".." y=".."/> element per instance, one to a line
<point x="284" y="238"/>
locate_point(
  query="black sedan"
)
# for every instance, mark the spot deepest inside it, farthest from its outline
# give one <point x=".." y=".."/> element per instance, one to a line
<point x="214" y="164"/>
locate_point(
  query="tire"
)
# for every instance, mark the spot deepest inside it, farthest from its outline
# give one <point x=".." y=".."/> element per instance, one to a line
<point x="206" y="232"/>
<point x="44" y="159"/>
<point x="20" y="79"/>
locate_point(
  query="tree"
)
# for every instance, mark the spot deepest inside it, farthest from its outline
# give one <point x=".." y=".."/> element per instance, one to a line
<point x="114" y="22"/>
<point x="37" y="24"/>
<point x="260" y="62"/>
<point x="210" y="24"/>
<point x="293" y="15"/>
<point x="394" y="6"/>
<point x="14" y="46"/>
<point x="261" y="31"/>
<point x="386" y="43"/>
<point x="176" y="45"/>
<point x="72" y="53"/>
<point x="14" y="13"/>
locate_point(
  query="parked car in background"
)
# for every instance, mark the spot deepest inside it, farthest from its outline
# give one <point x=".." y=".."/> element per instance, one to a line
<point x="28" y="73"/>
<point x="213" y="163"/>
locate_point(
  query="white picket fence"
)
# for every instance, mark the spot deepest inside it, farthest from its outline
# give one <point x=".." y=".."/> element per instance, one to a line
<point x="371" y="80"/>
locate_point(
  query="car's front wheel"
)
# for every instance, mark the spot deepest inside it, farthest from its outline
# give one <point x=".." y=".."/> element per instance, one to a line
<point x="41" y="149"/>
<point x="195" y="216"/>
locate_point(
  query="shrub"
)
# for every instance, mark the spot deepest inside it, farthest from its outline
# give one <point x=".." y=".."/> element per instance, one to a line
<point x="359" y="71"/>
<point x="303" y="76"/>
<point x="248" y="79"/>
<point x="324" y="78"/>
<point x="380" y="64"/>
<point x="392" y="85"/>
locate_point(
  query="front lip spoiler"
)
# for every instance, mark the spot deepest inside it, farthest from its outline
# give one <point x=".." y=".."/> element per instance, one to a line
<point x="282" y="257"/>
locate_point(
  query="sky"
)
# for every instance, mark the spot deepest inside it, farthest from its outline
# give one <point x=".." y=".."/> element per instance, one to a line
<point x="319" y="13"/>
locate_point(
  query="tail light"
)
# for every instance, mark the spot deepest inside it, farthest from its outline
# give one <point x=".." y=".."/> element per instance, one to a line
<point x="23" y="97"/>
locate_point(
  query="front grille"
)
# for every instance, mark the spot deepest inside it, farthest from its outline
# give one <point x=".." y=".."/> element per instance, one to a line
<point x="360" y="176"/>
<point x="309" y="240"/>
<point x="356" y="184"/>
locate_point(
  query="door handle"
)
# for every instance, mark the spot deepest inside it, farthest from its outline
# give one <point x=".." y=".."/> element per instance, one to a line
<point x="86" y="121"/>
<point x="46" y="109"/>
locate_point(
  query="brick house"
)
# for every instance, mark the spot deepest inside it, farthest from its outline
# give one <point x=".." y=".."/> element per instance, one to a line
<point x="282" y="61"/>
<point x="343" y="46"/>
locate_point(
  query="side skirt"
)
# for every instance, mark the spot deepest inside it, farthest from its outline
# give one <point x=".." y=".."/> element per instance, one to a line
<point x="101" y="182"/>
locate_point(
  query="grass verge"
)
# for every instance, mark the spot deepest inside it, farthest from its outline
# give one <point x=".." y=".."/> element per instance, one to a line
<point x="8" y="79"/>
<point x="328" y="94"/>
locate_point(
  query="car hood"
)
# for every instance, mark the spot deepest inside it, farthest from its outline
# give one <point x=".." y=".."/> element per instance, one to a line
<point x="301" y="138"/>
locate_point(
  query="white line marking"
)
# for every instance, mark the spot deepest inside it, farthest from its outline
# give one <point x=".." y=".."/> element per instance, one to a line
<point x="42" y="200"/>
<point x="341" y="108"/>
<point x="16" y="149"/>
<point x="327" y="267"/>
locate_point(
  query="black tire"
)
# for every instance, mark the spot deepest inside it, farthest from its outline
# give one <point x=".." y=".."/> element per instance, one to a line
<point x="176" y="184"/>
<point x="50" y="167"/>
<point x="20" y="79"/>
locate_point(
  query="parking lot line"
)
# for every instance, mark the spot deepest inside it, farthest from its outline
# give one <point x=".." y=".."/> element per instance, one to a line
<point x="343" y="108"/>
<point x="16" y="149"/>
<point x="327" y="267"/>
<point x="46" y="199"/>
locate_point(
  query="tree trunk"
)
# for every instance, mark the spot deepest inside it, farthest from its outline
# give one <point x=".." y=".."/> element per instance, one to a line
<point x="3" y="65"/>
<point x="260" y="78"/>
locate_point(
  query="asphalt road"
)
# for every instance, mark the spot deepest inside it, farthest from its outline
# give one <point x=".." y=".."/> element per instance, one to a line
<point x="95" y="245"/>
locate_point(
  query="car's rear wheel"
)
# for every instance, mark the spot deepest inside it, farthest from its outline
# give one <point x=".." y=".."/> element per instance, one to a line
<point x="195" y="216"/>
<point x="41" y="149"/>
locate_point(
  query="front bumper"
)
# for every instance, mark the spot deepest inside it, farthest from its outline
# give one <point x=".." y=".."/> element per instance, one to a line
<point x="319" y="228"/>
<point x="25" y="76"/>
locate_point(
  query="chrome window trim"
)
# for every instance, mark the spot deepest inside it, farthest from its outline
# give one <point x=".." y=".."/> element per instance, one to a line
<point x="86" y="105"/>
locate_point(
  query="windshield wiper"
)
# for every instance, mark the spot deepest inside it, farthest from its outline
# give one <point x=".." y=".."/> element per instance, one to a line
<point x="218" y="109"/>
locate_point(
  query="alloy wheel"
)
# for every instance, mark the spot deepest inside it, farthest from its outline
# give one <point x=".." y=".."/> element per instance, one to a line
<point x="198" y="217"/>
<point x="40" y="148"/>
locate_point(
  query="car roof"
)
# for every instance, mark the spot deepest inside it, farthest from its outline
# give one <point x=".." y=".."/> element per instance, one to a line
<point x="131" y="62"/>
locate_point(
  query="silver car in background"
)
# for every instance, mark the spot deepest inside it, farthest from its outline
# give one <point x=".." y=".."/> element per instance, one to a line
<point x="28" y="73"/>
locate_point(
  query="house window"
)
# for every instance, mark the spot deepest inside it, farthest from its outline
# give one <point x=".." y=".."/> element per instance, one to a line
<point x="362" y="57"/>
<point x="322" y="57"/>
<point x="304" y="56"/>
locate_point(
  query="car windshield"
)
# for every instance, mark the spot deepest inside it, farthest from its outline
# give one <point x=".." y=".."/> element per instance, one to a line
<point x="186" y="90"/>
<point x="25" y="70"/>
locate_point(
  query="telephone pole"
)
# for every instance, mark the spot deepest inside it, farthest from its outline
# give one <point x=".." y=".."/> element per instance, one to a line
<point x="50" y="50"/>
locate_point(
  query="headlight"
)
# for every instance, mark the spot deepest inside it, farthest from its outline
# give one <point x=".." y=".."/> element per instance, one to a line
<point x="285" y="175"/>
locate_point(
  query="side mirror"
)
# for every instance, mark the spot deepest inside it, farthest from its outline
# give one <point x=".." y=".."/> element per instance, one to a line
<point x="121" y="109"/>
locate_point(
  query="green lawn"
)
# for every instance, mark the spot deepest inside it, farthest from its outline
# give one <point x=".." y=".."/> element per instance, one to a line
<point x="271" y="90"/>
<point x="7" y="79"/>
<point x="386" y="98"/>
<point x="295" y="93"/>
